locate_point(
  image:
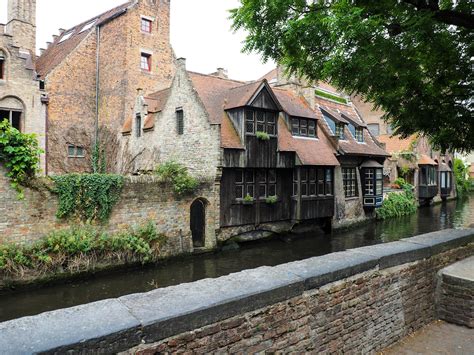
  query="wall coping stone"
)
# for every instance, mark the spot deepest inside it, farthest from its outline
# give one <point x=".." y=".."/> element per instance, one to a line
<point x="463" y="270"/>
<point x="119" y="324"/>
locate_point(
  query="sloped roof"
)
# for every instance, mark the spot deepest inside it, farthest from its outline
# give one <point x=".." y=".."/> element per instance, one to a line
<point x="394" y="144"/>
<point x="157" y="101"/>
<point x="241" y="95"/>
<point x="426" y="160"/>
<point x="127" y="126"/>
<point x="213" y="92"/>
<point x="294" y="105"/>
<point x="271" y="75"/>
<point x="58" y="50"/>
<point x="229" y="137"/>
<point x="310" y="151"/>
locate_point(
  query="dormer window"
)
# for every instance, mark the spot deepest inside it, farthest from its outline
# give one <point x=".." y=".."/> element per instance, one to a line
<point x="303" y="127"/>
<point x="258" y="120"/>
<point x="340" y="131"/>
<point x="146" y="25"/>
<point x="359" y="134"/>
<point x="2" y="66"/>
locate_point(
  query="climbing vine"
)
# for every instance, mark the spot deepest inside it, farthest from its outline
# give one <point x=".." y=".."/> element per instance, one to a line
<point x="87" y="197"/>
<point x="20" y="154"/>
<point x="178" y="176"/>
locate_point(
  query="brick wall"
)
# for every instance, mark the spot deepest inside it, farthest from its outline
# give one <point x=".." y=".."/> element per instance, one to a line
<point x="357" y="301"/>
<point x="142" y="199"/>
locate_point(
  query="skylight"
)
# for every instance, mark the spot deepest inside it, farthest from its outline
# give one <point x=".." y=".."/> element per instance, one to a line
<point x="66" y="36"/>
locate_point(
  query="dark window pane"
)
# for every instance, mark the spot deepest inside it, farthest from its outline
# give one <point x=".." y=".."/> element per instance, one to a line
<point x="304" y="189"/>
<point x="272" y="190"/>
<point x="239" y="176"/>
<point x="304" y="175"/>
<point x="295" y="126"/>
<point x="262" y="191"/>
<point x="271" y="117"/>
<point x="271" y="129"/>
<point x="295" y="189"/>
<point x="262" y="176"/>
<point x="271" y="176"/>
<point x="249" y="127"/>
<point x="180" y="121"/>
<point x="312" y="174"/>
<point x="249" y="115"/>
<point x="249" y="176"/>
<point x="260" y="116"/>
<point x="239" y="191"/>
<point x="80" y="152"/>
<point x="312" y="189"/>
<point x="71" y="151"/>
<point x="260" y="127"/>
<point x="250" y="190"/>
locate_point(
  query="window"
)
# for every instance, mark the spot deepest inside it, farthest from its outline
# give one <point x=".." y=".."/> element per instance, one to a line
<point x="138" y="124"/>
<point x="260" y="183"/>
<point x="302" y="127"/>
<point x="445" y="180"/>
<point x="373" y="181"/>
<point x="66" y="36"/>
<point x="146" y="25"/>
<point x="74" y="151"/>
<point x="314" y="182"/>
<point x="14" y="117"/>
<point x="145" y="63"/>
<point x="340" y="131"/>
<point x="2" y="65"/>
<point x="428" y="176"/>
<point x="180" y="121"/>
<point x="359" y="134"/>
<point x="349" y="180"/>
<point x="88" y="26"/>
<point x="260" y="121"/>
<point x="374" y="128"/>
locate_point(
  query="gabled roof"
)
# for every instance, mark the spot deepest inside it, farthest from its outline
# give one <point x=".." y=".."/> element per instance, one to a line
<point x="310" y="151"/>
<point x="240" y="96"/>
<point x="294" y="105"/>
<point x="156" y="101"/>
<point x="229" y="137"/>
<point x="426" y="160"/>
<point x="60" y="49"/>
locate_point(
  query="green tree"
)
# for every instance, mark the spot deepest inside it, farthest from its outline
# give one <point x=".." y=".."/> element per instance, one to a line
<point x="411" y="58"/>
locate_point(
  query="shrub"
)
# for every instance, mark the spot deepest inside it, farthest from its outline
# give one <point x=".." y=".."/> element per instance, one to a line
<point x="178" y="176"/>
<point x="20" y="154"/>
<point x="461" y="175"/>
<point x="79" y="248"/>
<point x="398" y="204"/>
<point x="87" y="197"/>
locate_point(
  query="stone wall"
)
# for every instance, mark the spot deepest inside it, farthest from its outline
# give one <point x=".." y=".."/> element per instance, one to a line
<point x="142" y="199"/>
<point x="357" y="301"/>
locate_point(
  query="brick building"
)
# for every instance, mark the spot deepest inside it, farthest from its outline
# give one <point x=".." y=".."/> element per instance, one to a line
<point x="92" y="72"/>
<point x="22" y="100"/>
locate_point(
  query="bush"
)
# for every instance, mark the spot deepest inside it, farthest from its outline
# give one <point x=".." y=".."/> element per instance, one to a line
<point x="178" y="176"/>
<point x="461" y="175"/>
<point x="398" y="204"/>
<point x="87" y="197"/>
<point x="20" y="154"/>
<point x="80" y="248"/>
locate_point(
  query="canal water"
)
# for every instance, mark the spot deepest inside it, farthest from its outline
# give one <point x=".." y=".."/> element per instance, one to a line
<point x="453" y="214"/>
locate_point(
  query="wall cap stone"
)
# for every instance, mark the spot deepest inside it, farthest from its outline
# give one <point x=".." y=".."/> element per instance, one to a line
<point x="119" y="324"/>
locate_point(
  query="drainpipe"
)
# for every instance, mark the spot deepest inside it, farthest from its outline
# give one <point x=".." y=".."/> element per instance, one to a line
<point x="96" y="137"/>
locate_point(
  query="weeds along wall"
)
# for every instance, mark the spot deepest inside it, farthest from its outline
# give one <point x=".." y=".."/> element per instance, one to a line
<point x="142" y="199"/>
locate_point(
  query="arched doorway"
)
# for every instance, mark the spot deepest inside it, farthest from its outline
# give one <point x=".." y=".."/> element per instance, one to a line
<point x="198" y="222"/>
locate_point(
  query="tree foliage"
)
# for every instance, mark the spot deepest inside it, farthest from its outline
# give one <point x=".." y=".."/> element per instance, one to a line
<point x="411" y="58"/>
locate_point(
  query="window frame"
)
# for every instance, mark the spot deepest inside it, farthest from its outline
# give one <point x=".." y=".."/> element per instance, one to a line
<point x="138" y="125"/>
<point x="179" y="121"/>
<point x="148" y="28"/>
<point x="307" y="126"/>
<point x="314" y="182"/>
<point x="359" y="134"/>
<point x="75" y="151"/>
<point x="349" y="182"/>
<point x="373" y="179"/>
<point x="268" y="123"/>
<point x="147" y="57"/>
<point x="339" y="130"/>
<point x="253" y="181"/>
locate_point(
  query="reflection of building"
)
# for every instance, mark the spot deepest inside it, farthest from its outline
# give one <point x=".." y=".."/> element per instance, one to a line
<point x="21" y="99"/>
<point x="412" y="158"/>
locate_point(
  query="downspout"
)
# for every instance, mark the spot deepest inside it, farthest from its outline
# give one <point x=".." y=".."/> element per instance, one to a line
<point x="97" y="85"/>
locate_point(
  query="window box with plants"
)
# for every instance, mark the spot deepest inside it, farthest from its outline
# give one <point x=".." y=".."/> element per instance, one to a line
<point x="262" y="136"/>
<point x="248" y="200"/>
<point x="271" y="200"/>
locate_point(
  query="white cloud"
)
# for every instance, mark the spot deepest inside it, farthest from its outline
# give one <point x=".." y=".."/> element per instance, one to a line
<point x="200" y="32"/>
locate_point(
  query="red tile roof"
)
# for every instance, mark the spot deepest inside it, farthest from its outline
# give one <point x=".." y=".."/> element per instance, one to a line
<point x="229" y="137"/>
<point x="157" y="101"/>
<point x="240" y="96"/>
<point x="294" y="105"/>
<point x="426" y="160"/>
<point x="127" y="126"/>
<point x="310" y="151"/>
<point x="58" y="51"/>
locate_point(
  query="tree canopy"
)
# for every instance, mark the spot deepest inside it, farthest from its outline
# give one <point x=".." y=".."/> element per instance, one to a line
<point x="414" y="59"/>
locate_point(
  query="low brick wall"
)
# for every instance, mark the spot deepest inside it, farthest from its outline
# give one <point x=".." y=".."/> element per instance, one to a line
<point x="455" y="298"/>
<point x="143" y="198"/>
<point x="360" y="300"/>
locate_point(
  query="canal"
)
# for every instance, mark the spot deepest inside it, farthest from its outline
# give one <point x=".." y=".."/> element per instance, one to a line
<point x="453" y="214"/>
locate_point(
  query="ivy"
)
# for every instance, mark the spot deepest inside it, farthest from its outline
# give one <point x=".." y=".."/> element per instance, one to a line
<point x="87" y="197"/>
<point x="178" y="176"/>
<point x="20" y="154"/>
<point x="330" y="96"/>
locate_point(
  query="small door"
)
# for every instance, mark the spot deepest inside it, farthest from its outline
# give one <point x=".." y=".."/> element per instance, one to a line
<point x="198" y="222"/>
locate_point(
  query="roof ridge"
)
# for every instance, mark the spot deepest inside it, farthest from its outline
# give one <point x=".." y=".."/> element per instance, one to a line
<point x="217" y="77"/>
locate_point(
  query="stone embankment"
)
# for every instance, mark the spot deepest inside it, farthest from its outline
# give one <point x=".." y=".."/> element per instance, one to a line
<point x="361" y="300"/>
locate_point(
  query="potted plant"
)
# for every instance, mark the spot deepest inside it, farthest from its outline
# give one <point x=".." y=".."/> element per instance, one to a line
<point x="271" y="200"/>
<point x="263" y="136"/>
<point x="248" y="200"/>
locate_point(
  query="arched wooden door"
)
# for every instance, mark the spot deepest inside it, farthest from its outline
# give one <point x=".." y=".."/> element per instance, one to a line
<point x="198" y="222"/>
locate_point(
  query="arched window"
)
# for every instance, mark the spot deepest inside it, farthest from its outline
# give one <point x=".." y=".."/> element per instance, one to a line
<point x="3" y="60"/>
<point x="12" y="109"/>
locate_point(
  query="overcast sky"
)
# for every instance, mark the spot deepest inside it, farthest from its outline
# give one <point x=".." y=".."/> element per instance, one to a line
<point x="200" y="32"/>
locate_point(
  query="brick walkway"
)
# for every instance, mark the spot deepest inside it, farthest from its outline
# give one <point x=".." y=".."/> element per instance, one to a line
<point x="437" y="338"/>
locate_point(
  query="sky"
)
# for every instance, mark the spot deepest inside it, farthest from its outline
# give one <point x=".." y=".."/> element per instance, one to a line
<point x="200" y="32"/>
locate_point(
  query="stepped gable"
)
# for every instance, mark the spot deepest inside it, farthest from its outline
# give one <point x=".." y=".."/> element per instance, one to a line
<point x="58" y="50"/>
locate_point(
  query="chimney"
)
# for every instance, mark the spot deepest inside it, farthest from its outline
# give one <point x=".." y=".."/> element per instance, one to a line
<point x="61" y="31"/>
<point x="139" y="91"/>
<point x="181" y="62"/>
<point x="55" y="37"/>
<point x="42" y="50"/>
<point x="222" y="73"/>
<point x="48" y="44"/>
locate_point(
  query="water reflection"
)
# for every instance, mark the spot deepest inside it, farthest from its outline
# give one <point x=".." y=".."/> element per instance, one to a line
<point x="454" y="214"/>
